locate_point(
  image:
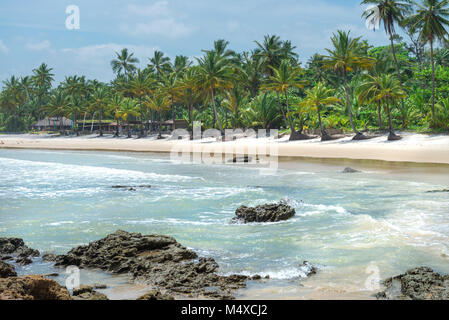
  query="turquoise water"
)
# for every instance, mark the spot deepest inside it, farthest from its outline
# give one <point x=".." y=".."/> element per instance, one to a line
<point x="56" y="200"/>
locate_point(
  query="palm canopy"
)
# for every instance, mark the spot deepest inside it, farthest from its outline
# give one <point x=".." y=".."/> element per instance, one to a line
<point x="346" y="56"/>
<point x="320" y="96"/>
<point x="431" y="19"/>
<point x="159" y="63"/>
<point x="285" y="77"/>
<point x="389" y="90"/>
<point x="389" y="12"/>
<point x="124" y="62"/>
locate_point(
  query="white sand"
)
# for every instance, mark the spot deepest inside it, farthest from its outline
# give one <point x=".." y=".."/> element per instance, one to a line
<point x="417" y="148"/>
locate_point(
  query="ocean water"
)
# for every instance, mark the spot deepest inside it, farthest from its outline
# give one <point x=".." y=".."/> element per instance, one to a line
<point x="354" y="227"/>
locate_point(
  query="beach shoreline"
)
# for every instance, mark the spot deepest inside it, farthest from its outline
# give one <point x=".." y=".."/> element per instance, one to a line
<point x="413" y="148"/>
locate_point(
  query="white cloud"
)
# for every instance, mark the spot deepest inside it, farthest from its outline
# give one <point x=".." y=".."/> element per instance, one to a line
<point x="3" y="47"/>
<point x="38" y="46"/>
<point x="156" y="19"/>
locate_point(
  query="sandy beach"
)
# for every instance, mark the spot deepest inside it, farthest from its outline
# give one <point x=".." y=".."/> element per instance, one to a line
<point x="417" y="148"/>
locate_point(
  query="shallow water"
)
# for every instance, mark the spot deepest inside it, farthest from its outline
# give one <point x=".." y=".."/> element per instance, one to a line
<point x="355" y="227"/>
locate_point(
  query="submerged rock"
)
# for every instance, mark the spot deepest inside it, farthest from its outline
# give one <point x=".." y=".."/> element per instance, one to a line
<point x="308" y="268"/>
<point x="49" y="257"/>
<point x="7" y="270"/>
<point x="439" y="191"/>
<point x="11" y="248"/>
<point x="264" y="213"/>
<point x="417" y="284"/>
<point x="155" y="295"/>
<point x="84" y="292"/>
<point x="32" y="288"/>
<point x="156" y="259"/>
<point x="350" y="170"/>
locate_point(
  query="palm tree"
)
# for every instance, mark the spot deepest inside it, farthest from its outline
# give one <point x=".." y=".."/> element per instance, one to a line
<point x="160" y="103"/>
<point x="261" y="112"/>
<point x="431" y="19"/>
<point x="389" y="12"/>
<point x="318" y="97"/>
<point x="389" y="92"/>
<point x="42" y="79"/>
<point x="345" y="58"/>
<point x="214" y="73"/>
<point x="189" y="92"/>
<point x="99" y="103"/>
<point x="57" y="105"/>
<point x="170" y="85"/>
<point x="234" y="100"/>
<point x="73" y="109"/>
<point x="124" y="62"/>
<point x="367" y="90"/>
<point x="142" y="85"/>
<point x="127" y="108"/>
<point x="115" y="104"/>
<point x="159" y="63"/>
<point x="285" y="77"/>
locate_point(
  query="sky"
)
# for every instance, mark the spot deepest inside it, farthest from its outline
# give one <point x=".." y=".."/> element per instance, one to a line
<point x="33" y="32"/>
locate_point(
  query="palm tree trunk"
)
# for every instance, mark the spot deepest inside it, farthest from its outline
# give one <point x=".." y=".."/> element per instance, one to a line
<point x="160" y="125"/>
<point x="392" y="135"/>
<point x="290" y="121"/>
<point x="100" y="118"/>
<point x="84" y="120"/>
<point x="282" y="110"/>
<point x="173" y="114"/>
<point x="116" y="130"/>
<point x="393" y="50"/>
<point x="129" y="129"/>
<point x="379" y="114"/>
<point x="324" y="135"/>
<point x="348" y="103"/>
<point x="215" y="111"/>
<point x="433" y="79"/>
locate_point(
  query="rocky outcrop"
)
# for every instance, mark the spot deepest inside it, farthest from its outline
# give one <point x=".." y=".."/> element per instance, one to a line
<point x="159" y="260"/>
<point x="32" y="288"/>
<point x="350" y="170"/>
<point x="7" y="270"/>
<point x="264" y="213"/>
<point x="49" y="257"/>
<point x="16" y="248"/>
<point x="155" y="295"/>
<point x="87" y="293"/>
<point x="308" y="268"/>
<point x="416" y="284"/>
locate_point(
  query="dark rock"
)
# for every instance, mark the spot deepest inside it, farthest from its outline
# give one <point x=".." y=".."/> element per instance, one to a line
<point x="48" y="256"/>
<point x="417" y="284"/>
<point x="7" y="270"/>
<point x="51" y="275"/>
<point x="155" y="295"/>
<point x="439" y="191"/>
<point x="84" y="292"/>
<point x="32" y="288"/>
<point x="99" y="286"/>
<point x="264" y="213"/>
<point x="308" y="268"/>
<point x="16" y="248"/>
<point x="158" y="260"/>
<point x="350" y="170"/>
<point x="256" y="277"/>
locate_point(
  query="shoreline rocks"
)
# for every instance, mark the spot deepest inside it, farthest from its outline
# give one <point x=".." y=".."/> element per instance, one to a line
<point x="84" y="292"/>
<point x="7" y="270"/>
<point x="350" y="170"/>
<point x="420" y="283"/>
<point x="158" y="260"/>
<point x="32" y="288"/>
<point x="264" y="213"/>
<point x="15" y="248"/>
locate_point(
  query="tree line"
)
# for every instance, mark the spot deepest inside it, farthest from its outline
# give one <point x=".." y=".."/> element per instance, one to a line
<point x="353" y="86"/>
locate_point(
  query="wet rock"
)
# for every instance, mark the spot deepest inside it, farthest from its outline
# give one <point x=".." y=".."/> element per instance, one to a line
<point x="439" y="191"/>
<point x="51" y="275"/>
<point x="16" y="248"/>
<point x="416" y="284"/>
<point x="99" y="286"/>
<point x="49" y="257"/>
<point x="155" y="295"/>
<point x="131" y="188"/>
<point x="32" y="288"/>
<point x="264" y="213"/>
<point x="350" y="170"/>
<point x="158" y="260"/>
<point x="84" y="292"/>
<point x="308" y="268"/>
<point x="7" y="270"/>
<point x="256" y="277"/>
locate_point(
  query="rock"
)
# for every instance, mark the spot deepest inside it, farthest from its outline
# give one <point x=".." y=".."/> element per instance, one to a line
<point x="417" y="284"/>
<point x="84" y="292"/>
<point x="158" y="260"/>
<point x="16" y="248"/>
<point x="7" y="270"/>
<point x="51" y="275"/>
<point x="155" y="295"/>
<point x="32" y="288"/>
<point x="308" y="268"/>
<point x="48" y="256"/>
<point x="350" y="170"/>
<point x="256" y="277"/>
<point x="439" y="191"/>
<point x="264" y="213"/>
<point x="99" y="286"/>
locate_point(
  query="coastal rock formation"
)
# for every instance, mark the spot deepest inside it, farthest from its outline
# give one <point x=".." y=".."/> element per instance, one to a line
<point x="417" y="284"/>
<point x="308" y="268"/>
<point x="16" y="248"/>
<point x="87" y="293"/>
<point x="49" y="257"/>
<point x="7" y="270"/>
<point x="264" y="213"/>
<point x="350" y="170"/>
<point x="32" y="288"/>
<point x="155" y="295"/>
<point x="158" y="260"/>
